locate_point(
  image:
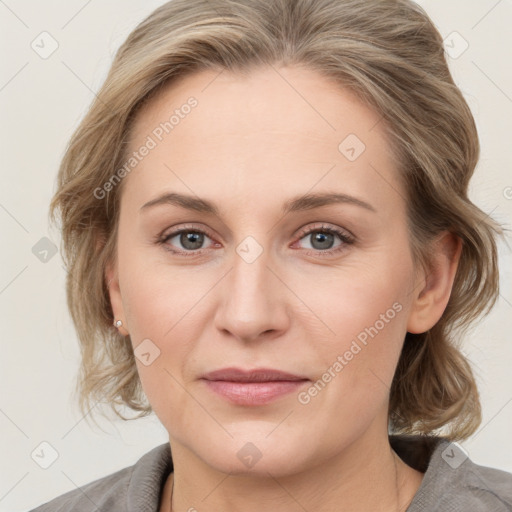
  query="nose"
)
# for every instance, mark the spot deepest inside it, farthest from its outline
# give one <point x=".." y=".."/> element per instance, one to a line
<point x="254" y="301"/>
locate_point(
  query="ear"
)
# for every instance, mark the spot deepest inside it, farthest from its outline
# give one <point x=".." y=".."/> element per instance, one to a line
<point x="112" y="280"/>
<point x="434" y="288"/>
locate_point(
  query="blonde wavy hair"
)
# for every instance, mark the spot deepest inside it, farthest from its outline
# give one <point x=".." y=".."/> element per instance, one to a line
<point x="391" y="55"/>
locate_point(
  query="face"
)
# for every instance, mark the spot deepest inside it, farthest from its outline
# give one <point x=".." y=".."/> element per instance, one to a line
<point x="322" y="290"/>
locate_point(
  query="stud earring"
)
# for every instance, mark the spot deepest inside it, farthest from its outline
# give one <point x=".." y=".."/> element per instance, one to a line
<point x="118" y="323"/>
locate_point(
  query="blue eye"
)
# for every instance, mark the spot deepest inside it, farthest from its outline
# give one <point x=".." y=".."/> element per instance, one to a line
<point x="190" y="239"/>
<point x="322" y="237"/>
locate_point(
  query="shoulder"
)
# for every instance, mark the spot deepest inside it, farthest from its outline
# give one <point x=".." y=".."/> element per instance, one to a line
<point x="105" y="493"/>
<point x="138" y="483"/>
<point x="484" y="488"/>
<point x="454" y="482"/>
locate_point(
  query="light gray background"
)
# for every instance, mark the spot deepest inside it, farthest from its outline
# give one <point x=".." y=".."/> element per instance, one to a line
<point x="42" y="101"/>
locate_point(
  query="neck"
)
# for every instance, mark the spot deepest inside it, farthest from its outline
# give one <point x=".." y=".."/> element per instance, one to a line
<point x="356" y="480"/>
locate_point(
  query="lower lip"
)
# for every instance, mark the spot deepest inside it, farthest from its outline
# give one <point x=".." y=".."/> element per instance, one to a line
<point x="253" y="393"/>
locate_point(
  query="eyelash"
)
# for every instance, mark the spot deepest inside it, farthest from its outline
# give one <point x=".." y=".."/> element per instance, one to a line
<point x="345" y="237"/>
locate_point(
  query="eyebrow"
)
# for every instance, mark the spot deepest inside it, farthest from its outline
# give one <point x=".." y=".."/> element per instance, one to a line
<point x="296" y="204"/>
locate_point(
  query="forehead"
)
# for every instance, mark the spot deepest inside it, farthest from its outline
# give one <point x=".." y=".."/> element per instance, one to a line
<point x="284" y="128"/>
<point x="266" y="99"/>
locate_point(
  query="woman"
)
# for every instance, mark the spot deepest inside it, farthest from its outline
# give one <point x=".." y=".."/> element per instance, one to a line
<point x="281" y="257"/>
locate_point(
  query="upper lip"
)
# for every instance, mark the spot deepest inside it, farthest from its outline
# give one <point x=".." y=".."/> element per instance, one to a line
<point x="251" y="375"/>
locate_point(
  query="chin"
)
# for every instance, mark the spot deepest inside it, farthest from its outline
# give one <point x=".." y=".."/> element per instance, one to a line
<point x="255" y="452"/>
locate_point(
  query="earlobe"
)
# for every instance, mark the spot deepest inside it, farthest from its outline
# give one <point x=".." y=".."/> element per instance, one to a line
<point x="112" y="282"/>
<point x="432" y="297"/>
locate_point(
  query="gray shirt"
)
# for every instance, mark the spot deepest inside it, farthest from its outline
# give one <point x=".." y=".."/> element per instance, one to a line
<point x="452" y="482"/>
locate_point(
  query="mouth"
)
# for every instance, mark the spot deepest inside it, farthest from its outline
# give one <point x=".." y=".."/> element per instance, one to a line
<point x="252" y="387"/>
<point x="253" y="375"/>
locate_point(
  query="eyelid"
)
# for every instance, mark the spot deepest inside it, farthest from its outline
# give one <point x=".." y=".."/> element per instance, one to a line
<point x="321" y="226"/>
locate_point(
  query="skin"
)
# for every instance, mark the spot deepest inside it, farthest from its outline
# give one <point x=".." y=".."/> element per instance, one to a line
<point x="251" y="144"/>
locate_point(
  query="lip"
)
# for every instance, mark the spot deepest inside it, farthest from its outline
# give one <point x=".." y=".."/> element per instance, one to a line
<point x="252" y="387"/>
<point x="252" y="375"/>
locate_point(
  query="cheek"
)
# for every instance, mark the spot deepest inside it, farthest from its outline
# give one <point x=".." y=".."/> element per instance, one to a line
<point x="356" y="364"/>
<point x="358" y="297"/>
<point x="365" y="310"/>
<point x="364" y="354"/>
<point x="159" y="326"/>
<point x="152" y="305"/>
<point x="156" y="296"/>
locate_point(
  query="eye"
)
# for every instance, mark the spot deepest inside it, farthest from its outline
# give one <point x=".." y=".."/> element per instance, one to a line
<point x="321" y="239"/>
<point x="189" y="241"/>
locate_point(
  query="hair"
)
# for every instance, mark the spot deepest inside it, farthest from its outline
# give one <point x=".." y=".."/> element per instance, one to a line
<point x="388" y="53"/>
